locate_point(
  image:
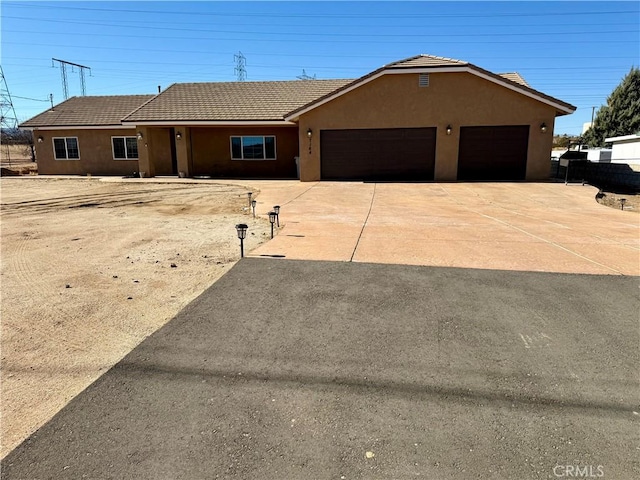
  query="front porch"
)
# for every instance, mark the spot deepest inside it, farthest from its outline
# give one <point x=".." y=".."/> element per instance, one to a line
<point x="218" y="151"/>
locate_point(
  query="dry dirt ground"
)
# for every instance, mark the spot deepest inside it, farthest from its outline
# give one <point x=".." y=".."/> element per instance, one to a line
<point x="89" y="269"/>
<point x="16" y="160"/>
<point x="610" y="199"/>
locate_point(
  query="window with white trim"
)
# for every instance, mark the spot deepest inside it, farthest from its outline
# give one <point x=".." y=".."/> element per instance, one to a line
<point x="253" y="148"/>
<point x="66" y="148"/>
<point x="124" y="148"/>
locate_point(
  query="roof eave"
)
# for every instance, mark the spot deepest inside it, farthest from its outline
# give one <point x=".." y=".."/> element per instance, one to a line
<point x="157" y="123"/>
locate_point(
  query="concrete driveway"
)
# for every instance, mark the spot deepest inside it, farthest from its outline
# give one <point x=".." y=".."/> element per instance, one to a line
<point x="547" y="227"/>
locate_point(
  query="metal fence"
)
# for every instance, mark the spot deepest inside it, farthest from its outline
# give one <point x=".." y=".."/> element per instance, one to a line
<point x="606" y="176"/>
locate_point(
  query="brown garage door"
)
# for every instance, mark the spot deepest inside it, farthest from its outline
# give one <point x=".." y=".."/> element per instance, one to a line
<point x="378" y="154"/>
<point x="493" y="153"/>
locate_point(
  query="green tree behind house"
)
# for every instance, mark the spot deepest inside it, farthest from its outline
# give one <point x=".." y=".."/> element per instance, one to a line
<point x="621" y="115"/>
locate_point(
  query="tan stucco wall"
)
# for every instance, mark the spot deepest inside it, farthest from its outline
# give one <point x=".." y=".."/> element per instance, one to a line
<point x="211" y="152"/>
<point x="456" y="99"/>
<point x="96" y="155"/>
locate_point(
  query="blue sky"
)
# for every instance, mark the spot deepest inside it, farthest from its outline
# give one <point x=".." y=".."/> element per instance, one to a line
<point x="575" y="51"/>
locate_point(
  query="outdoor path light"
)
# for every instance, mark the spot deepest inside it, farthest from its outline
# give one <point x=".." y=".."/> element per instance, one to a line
<point x="622" y="202"/>
<point x="249" y="194"/>
<point x="276" y="208"/>
<point x="241" y="228"/>
<point x="272" y="219"/>
<point x="253" y="207"/>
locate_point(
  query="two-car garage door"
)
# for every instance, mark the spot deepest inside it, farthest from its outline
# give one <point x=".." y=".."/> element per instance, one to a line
<point x="486" y="153"/>
<point x="378" y="154"/>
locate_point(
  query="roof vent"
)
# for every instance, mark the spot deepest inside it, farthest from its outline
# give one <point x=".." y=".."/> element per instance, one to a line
<point x="423" y="80"/>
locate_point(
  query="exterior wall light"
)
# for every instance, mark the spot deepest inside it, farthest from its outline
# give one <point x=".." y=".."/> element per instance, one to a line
<point x="272" y="219"/>
<point x="449" y="129"/>
<point x="309" y="133"/>
<point x="178" y="136"/>
<point x="543" y="127"/>
<point x="241" y="228"/>
<point x="40" y="139"/>
<point x="140" y="136"/>
<point x="276" y="208"/>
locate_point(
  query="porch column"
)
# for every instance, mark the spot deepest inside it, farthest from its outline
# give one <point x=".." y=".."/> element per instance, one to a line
<point x="145" y="149"/>
<point x="183" y="151"/>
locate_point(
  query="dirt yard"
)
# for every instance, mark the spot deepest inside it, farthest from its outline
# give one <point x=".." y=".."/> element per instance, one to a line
<point x="613" y="200"/>
<point x="16" y="160"/>
<point x="90" y="268"/>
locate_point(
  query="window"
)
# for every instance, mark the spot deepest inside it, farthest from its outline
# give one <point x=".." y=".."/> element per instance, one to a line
<point x="253" y="148"/>
<point x="124" y="148"/>
<point x="66" y="148"/>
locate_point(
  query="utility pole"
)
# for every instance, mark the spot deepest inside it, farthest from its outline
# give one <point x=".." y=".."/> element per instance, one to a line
<point x="240" y="70"/>
<point x="63" y="73"/>
<point x="593" y="112"/>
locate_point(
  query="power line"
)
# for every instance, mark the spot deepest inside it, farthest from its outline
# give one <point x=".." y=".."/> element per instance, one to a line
<point x="337" y="15"/>
<point x="33" y="99"/>
<point x="335" y="34"/>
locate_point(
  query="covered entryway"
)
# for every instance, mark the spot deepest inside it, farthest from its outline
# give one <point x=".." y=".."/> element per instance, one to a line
<point x="493" y="153"/>
<point x="378" y="154"/>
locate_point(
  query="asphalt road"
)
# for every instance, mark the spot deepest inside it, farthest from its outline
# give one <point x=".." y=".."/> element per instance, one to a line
<point x="298" y="369"/>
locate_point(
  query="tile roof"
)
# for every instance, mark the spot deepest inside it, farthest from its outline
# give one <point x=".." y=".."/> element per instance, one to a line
<point x="88" y="111"/>
<point x="514" y="77"/>
<point x="232" y="101"/>
<point x="425" y="61"/>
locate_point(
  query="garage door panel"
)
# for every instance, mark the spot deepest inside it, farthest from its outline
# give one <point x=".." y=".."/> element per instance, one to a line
<point x="378" y="154"/>
<point x="493" y="153"/>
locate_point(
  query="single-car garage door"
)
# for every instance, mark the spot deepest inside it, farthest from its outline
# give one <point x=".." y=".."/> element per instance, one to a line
<point x="493" y="153"/>
<point x="378" y="154"/>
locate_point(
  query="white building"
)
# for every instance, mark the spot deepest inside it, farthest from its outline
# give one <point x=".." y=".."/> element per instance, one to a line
<point x="625" y="149"/>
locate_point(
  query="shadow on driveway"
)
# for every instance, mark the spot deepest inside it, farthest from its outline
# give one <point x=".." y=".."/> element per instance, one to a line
<point x="292" y="369"/>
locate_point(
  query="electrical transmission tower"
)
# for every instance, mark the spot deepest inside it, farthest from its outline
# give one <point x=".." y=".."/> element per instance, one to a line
<point x="8" y="113"/>
<point x="304" y="76"/>
<point x="240" y="70"/>
<point x="9" y="118"/>
<point x="63" y="73"/>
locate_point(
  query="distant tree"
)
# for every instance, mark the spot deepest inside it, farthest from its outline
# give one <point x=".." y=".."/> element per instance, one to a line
<point x="564" y="140"/>
<point x="621" y="114"/>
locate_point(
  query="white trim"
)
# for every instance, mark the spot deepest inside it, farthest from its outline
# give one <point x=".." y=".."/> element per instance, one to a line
<point x="400" y="71"/>
<point x="126" y="151"/>
<point x="66" y="149"/>
<point x="275" y="147"/>
<point x="81" y="127"/>
<point x="624" y="138"/>
<point x="222" y="123"/>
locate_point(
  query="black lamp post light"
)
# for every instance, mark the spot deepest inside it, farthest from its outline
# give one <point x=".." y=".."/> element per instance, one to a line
<point x="272" y="219"/>
<point x="253" y="207"/>
<point x="276" y="208"/>
<point x="241" y="228"/>
<point x="622" y="202"/>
